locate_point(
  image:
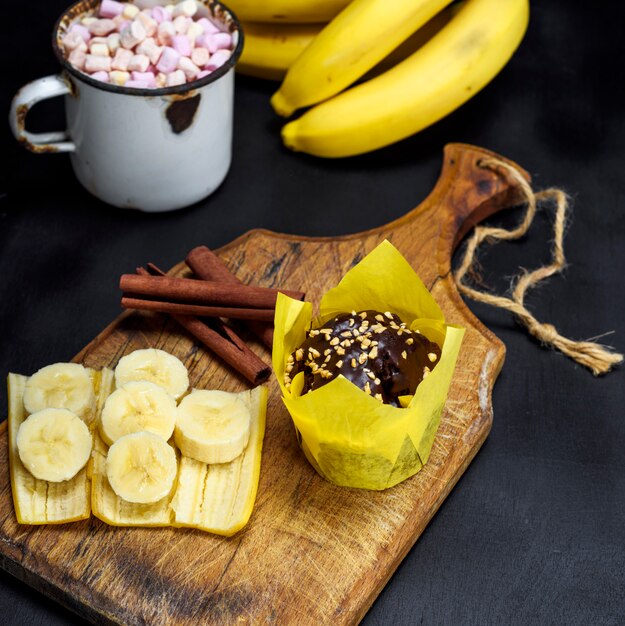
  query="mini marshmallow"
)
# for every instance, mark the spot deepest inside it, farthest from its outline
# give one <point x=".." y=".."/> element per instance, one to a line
<point x="161" y="79"/>
<point x="121" y="22"/>
<point x="190" y="69"/>
<point x="181" y="24"/>
<point x="208" y="26"/>
<point x="150" y="49"/>
<point x="146" y="77"/>
<point x="194" y="31"/>
<point x="203" y="74"/>
<point x="121" y="60"/>
<point x="130" y="11"/>
<point x="95" y="63"/>
<point x="119" y="78"/>
<point x="132" y="35"/>
<point x="218" y="59"/>
<point x="181" y="44"/>
<point x="83" y="31"/>
<point x="85" y="21"/>
<point x="203" y="41"/>
<point x="175" y="78"/>
<point x="73" y="41"/>
<point x="138" y="84"/>
<point x="159" y="15"/>
<point x="187" y="8"/>
<point x="97" y="40"/>
<point x="102" y="76"/>
<point x="77" y="58"/>
<point x="168" y="61"/>
<point x="169" y="8"/>
<point x="219" y="41"/>
<point x="166" y="33"/>
<point x="112" y="41"/>
<point x="99" y="50"/>
<point x="200" y="56"/>
<point x="148" y="23"/>
<point x="138" y="63"/>
<point x="101" y="28"/>
<point x="110" y="8"/>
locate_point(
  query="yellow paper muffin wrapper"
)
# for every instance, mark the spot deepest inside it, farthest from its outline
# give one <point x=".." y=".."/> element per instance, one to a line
<point x="349" y="437"/>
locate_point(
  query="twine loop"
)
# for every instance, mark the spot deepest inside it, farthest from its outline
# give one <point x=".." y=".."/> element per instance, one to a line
<point x="599" y="359"/>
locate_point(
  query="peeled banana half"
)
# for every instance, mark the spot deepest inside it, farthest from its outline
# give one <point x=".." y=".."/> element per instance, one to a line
<point x="459" y="60"/>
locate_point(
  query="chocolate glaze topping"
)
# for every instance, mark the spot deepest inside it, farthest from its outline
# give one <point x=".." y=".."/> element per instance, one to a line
<point x="373" y="350"/>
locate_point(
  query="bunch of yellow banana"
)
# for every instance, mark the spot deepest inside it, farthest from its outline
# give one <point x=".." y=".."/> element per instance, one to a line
<point x="420" y="60"/>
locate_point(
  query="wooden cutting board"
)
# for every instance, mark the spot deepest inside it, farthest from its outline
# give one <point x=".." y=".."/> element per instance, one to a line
<point x="312" y="553"/>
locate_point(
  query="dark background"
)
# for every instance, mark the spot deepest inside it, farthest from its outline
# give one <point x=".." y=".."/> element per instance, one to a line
<point x="534" y="533"/>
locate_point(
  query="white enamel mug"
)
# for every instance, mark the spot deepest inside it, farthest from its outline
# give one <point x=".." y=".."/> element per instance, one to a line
<point x="148" y="149"/>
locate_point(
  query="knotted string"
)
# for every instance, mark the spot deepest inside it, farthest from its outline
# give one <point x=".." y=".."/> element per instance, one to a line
<point x="599" y="359"/>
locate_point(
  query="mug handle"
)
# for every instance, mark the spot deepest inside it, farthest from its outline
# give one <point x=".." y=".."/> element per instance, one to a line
<point x="28" y="96"/>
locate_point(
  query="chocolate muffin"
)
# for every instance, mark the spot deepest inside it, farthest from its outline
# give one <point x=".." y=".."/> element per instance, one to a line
<point x="373" y="350"/>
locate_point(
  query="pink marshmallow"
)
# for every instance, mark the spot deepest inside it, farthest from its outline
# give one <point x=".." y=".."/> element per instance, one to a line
<point x="160" y="14"/>
<point x="203" y="74"/>
<point x="182" y="45"/>
<point x="138" y="63"/>
<point x="218" y="59"/>
<point x="181" y="24"/>
<point x="122" y="59"/>
<point x="101" y="28"/>
<point x="77" y="58"/>
<point x="132" y="35"/>
<point x="203" y="41"/>
<point x="166" y="33"/>
<point x="150" y="49"/>
<point x="146" y="77"/>
<point x="208" y="26"/>
<point x="200" y="56"/>
<point x="110" y="8"/>
<point x="97" y="64"/>
<point x="120" y="22"/>
<point x="102" y="76"/>
<point x="168" y="61"/>
<point x="83" y="31"/>
<point x="219" y="41"/>
<point x="138" y="84"/>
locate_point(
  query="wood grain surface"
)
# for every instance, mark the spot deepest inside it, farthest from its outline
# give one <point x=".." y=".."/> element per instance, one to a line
<point x="312" y="553"/>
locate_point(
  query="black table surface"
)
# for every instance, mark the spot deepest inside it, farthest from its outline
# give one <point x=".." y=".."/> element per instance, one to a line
<point x="534" y="532"/>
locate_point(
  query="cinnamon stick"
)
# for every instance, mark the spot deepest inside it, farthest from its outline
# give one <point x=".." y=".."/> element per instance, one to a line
<point x="230" y="348"/>
<point x="209" y="293"/>
<point x="206" y="265"/>
<point x="180" y="308"/>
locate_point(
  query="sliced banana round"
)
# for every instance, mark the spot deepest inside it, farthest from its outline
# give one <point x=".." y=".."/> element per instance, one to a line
<point x="212" y="426"/>
<point x="60" y="386"/>
<point x="54" y="444"/>
<point x="156" y="366"/>
<point x="138" y="405"/>
<point x="141" y="467"/>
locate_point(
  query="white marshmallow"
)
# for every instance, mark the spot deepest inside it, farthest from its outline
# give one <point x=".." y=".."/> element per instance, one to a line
<point x="119" y="78"/>
<point x="175" y="78"/>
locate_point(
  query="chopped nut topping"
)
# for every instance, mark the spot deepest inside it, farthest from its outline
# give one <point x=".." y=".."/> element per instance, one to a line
<point x="299" y="354"/>
<point x="354" y="313"/>
<point x="404" y="355"/>
<point x="289" y="367"/>
<point x="367" y="388"/>
<point x="353" y="363"/>
<point x="363" y="329"/>
<point x="351" y="322"/>
<point x="365" y="343"/>
<point x="346" y="333"/>
<point x="346" y="343"/>
<point x="339" y="364"/>
<point x="409" y="341"/>
<point x="335" y="341"/>
<point x="371" y="375"/>
<point x="355" y="332"/>
<point x="340" y="351"/>
<point x="327" y="359"/>
<point x="388" y="314"/>
<point x="378" y="396"/>
<point x="432" y="356"/>
<point x="290" y="359"/>
<point x="327" y="351"/>
<point x="377" y="381"/>
<point x="373" y="353"/>
<point x="380" y="318"/>
<point x="314" y="352"/>
<point x="363" y="315"/>
<point x="362" y="358"/>
<point x="326" y="331"/>
<point x="313" y="333"/>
